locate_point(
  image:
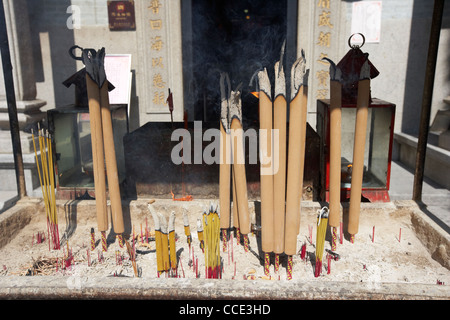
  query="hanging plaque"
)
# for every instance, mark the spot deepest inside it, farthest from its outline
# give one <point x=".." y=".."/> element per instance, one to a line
<point x="121" y="15"/>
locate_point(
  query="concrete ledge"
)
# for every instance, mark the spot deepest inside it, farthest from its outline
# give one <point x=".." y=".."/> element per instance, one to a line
<point x="437" y="163"/>
<point x="58" y="287"/>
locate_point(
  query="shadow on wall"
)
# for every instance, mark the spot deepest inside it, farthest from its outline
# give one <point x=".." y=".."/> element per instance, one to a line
<point x="50" y="17"/>
<point x="417" y="59"/>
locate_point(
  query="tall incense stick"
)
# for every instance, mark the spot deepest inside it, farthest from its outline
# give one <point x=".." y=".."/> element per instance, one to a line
<point x="335" y="149"/>
<point x="237" y="139"/>
<point x="225" y="157"/>
<point x="279" y="179"/>
<point x="296" y="154"/>
<point x="266" y="166"/>
<point x="362" y="106"/>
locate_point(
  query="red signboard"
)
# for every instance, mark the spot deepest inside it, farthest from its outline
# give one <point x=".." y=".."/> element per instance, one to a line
<point x="121" y="15"/>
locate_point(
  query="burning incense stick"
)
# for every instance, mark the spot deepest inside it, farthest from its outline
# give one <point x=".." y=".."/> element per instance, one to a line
<point x="279" y="179"/>
<point x="296" y="155"/>
<point x="266" y="160"/>
<point x="322" y="222"/>
<point x="239" y="161"/>
<point x="335" y="148"/>
<point x="362" y="106"/>
<point x="45" y="168"/>
<point x="225" y="157"/>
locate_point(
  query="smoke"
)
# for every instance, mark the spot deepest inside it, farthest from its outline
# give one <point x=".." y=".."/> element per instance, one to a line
<point x="234" y="36"/>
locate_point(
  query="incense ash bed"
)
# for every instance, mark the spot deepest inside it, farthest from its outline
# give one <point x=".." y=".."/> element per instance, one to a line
<point x="398" y="253"/>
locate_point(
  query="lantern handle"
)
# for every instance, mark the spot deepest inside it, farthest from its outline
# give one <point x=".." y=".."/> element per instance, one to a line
<point x="355" y="46"/>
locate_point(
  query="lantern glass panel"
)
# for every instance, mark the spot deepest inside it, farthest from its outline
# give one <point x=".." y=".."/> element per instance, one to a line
<point x="376" y="154"/>
<point x="73" y="148"/>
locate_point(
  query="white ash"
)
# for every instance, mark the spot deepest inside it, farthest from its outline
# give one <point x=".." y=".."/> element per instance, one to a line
<point x="264" y="83"/>
<point x="298" y="75"/>
<point x="280" y="80"/>
<point x="235" y="106"/>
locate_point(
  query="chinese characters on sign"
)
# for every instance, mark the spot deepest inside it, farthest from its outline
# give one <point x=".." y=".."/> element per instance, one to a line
<point x="158" y="80"/>
<point x="121" y="15"/>
<point x="323" y="45"/>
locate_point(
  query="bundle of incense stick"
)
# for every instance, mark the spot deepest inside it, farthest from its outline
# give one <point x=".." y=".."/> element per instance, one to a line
<point x="46" y="171"/>
<point x="322" y="223"/>
<point x="102" y="140"/>
<point x="211" y="226"/>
